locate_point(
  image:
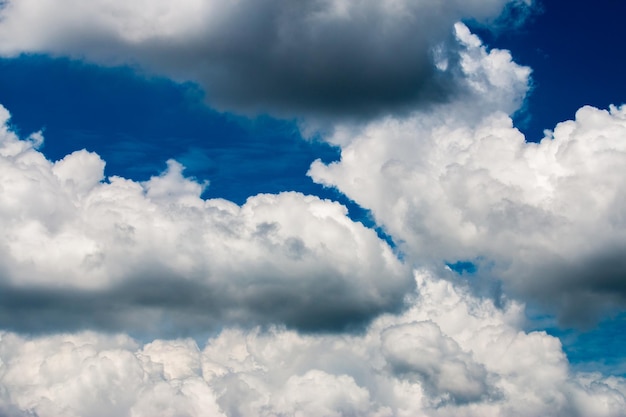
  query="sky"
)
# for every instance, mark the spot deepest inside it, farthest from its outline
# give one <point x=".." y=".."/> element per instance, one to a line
<point x="314" y="208"/>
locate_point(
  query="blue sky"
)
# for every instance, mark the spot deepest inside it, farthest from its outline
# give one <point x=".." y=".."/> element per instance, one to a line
<point x="452" y="220"/>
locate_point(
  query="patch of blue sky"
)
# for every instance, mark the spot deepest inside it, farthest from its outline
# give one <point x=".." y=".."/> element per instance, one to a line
<point x="136" y="124"/>
<point x="573" y="56"/>
<point x="462" y="267"/>
<point x="598" y="348"/>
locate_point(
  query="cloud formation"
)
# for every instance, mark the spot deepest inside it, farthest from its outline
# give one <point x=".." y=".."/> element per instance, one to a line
<point x="461" y="184"/>
<point x="310" y="313"/>
<point x="321" y="58"/>
<point x="449" y="354"/>
<point x="78" y="252"/>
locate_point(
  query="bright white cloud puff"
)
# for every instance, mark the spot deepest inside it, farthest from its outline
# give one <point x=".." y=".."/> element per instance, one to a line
<point x="140" y="256"/>
<point x="461" y="184"/>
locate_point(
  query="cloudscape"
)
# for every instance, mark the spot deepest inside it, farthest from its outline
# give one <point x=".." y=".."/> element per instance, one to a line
<point x="314" y="208"/>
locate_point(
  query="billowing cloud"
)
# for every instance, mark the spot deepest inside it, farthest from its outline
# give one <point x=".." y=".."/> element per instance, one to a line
<point x="449" y="354"/>
<point x="78" y="252"/>
<point x="316" y="57"/>
<point x="461" y="184"/>
<point x="310" y="313"/>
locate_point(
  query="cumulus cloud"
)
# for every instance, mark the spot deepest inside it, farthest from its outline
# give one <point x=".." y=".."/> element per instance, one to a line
<point x="419" y="351"/>
<point x="449" y="354"/>
<point x="78" y="251"/>
<point x="275" y="279"/>
<point x="460" y="183"/>
<point x="314" y="58"/>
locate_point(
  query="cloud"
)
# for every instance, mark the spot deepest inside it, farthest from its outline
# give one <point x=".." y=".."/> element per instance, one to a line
<point x="281" y="281"/>
<point x="319" y="58"/>
<point x="419" y="351"/>
<point x="85" y="261"/>
<point x="449" y="354"/>
<point x="460" y="183"/>
<point x="81" y="252"/>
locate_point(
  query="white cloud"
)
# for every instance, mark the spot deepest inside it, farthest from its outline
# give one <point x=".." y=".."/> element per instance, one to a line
<point x="154" y="256"/>
<point x="455" y="181"/>
<point x="449" y="354"/>
<point x="317" y="58"/>
<point x="420" y="352"/>
<point x="74" y="246"/>
<point x="461" y="183"/>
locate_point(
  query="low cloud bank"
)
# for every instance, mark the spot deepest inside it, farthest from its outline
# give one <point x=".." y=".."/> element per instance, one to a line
<point x="449" y="354"/>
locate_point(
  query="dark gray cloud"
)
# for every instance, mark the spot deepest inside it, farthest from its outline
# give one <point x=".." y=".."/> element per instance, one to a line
<point x="582" y="288"/>
<point x="320" y="58"/>
<point x="154" y="306"/>
<point x="448" y="354"/>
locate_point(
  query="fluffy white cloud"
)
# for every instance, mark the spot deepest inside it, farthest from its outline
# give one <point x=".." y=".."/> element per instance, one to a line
<point x="79" y="251"/>
<point x="461" y="183"/>
<point x="449" y="354"/>
<point x="154" y="256"/>
<point x="320" y="57"/>
<point x="454" y="181"/>
<point x="419" y="351"/>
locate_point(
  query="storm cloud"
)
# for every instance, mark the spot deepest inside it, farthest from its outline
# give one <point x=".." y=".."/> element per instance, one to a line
<point x="313" y="58"/>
